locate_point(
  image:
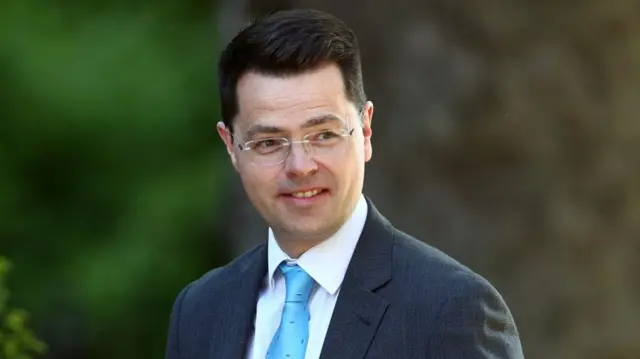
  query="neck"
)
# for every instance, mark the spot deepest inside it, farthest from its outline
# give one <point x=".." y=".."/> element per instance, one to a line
<point x="295" y="246"/>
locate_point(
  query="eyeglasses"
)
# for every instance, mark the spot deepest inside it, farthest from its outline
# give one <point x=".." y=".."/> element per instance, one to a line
<point x="275" y="150"/>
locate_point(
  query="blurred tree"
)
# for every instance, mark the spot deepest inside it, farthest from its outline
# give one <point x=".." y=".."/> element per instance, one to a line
<point x="17" y="341"/>
<point x="109" y="188"/>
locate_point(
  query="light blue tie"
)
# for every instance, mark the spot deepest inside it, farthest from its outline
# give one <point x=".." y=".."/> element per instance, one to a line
<point x="290" y="340"/>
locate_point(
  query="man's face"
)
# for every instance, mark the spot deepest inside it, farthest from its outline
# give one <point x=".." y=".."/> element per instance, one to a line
<point x="290" y="107"/>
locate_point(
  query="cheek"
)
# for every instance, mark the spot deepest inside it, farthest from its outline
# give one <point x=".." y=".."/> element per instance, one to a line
<point x="258" y="181"/>
<point x="334" y="170"/>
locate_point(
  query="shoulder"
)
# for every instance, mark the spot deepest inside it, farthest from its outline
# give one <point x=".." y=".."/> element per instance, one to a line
<point x="464" y="313"/>
<point x="427" y="269"/>
<point x="215" y="280"/>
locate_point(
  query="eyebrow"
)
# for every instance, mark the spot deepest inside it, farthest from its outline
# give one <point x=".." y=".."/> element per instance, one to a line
<point x="254" y="130"/>
<point x="312" y="122"/>
<point x="321" y="120"/>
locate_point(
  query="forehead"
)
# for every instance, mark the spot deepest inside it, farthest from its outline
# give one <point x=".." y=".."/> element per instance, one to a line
<point x="289" y="101"/>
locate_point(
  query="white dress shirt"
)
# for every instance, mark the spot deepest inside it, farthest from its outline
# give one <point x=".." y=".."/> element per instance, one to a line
<point x="326" y="263"/>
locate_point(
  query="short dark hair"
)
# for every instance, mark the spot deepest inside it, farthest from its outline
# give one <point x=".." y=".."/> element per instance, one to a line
<point x="290" y="42"/>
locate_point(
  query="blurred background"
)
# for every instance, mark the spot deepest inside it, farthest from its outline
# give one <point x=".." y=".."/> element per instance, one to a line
<point x="506" y="134"/>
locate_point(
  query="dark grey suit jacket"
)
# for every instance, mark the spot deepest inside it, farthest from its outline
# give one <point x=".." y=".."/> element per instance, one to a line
<point x="400" y="298"/>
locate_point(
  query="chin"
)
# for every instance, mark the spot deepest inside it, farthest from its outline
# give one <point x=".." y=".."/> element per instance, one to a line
<point x="312" y="229"/>
<point x="320" y="222"/>
<point x="306" y="230"/>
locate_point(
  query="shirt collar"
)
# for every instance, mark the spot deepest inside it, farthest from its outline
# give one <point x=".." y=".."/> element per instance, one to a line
<point x="336" y="250"/>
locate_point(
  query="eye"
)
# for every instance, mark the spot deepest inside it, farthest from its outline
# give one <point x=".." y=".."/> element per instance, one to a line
<point x="325" y="136"/>
<point x="267" y="145"/>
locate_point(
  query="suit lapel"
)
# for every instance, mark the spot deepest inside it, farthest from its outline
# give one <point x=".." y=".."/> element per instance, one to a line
<point x="359" y="310"/>
<point x="233" y="324"/>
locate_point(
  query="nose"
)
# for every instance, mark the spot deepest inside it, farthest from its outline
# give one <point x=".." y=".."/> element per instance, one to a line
<point x="299" y="163"/>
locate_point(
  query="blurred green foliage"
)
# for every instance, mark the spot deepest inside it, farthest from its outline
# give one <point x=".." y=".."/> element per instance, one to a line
<point x="17" y="341"/>
<point x="110" y="167"/>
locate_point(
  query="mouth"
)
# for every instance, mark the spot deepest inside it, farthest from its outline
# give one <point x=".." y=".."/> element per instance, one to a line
<point x="307" y="193"/>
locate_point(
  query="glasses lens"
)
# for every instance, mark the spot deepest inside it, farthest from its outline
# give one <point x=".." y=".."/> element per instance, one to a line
<point x="274" y="151"/>
<point x="270" y="151"/>
<point x="328" y="143"/>
<point x="268" y="146"/>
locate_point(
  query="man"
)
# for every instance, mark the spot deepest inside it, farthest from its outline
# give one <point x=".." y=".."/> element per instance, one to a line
<point x="335" y="279"/>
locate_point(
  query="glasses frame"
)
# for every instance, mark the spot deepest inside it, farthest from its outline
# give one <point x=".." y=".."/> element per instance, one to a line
<point x="305" y="142"/>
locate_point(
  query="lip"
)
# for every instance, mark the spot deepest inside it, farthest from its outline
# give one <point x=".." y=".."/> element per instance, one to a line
<point x="290" y="193"/>
<point x="290" y="200"/>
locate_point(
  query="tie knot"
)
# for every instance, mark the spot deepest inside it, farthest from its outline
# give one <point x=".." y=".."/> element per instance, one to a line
<point x="298" y="283"/>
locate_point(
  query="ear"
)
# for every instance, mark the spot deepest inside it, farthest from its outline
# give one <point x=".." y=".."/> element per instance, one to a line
<point x="227" y="138"/>
<point x="367" y="117"/>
